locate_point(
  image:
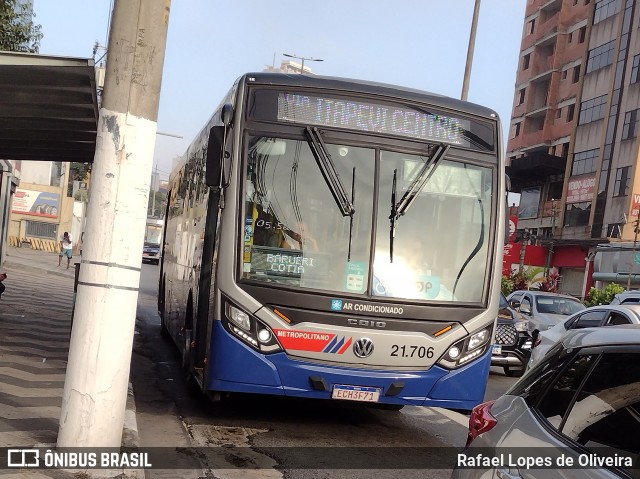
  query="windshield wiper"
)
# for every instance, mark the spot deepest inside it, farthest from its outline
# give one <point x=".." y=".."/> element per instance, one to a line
<point x="428" y="169"/>
<point x="328" y="170"/>
<point x="393" y="216"/>
<point x="400" y="208"/>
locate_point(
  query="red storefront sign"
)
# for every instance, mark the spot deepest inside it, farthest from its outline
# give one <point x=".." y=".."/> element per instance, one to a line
<point x="534" y="256"/>
<point x="635" y="205"/>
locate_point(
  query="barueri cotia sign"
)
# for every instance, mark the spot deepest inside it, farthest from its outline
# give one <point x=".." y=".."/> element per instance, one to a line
<point x="36" y="203"/>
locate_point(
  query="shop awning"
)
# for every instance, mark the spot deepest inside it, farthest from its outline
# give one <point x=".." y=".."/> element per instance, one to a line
<point x="48" y="108"/>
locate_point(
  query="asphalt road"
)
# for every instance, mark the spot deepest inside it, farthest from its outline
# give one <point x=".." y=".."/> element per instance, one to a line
<point x="282" y="437"/>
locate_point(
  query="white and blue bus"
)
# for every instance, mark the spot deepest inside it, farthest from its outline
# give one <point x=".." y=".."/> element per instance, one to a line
<point x="337" y="239"/>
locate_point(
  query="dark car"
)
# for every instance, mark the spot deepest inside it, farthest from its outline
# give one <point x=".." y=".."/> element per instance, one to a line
<point x="151" y="253"/>
<point x="512" y="344"/>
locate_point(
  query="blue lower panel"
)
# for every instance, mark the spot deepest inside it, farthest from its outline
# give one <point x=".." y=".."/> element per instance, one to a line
<point x="235" y="367"/>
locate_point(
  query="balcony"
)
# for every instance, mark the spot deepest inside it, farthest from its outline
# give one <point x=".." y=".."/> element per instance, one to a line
<point x="535" y="167"/>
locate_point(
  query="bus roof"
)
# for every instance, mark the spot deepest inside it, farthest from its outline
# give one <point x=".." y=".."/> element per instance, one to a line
<point x="369" y="87"/>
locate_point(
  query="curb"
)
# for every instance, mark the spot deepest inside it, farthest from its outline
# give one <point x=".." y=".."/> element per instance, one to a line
<point x="130" y="437"/>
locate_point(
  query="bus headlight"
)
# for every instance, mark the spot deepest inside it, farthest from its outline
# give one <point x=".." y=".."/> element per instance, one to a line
<point x="240" y="318"/>
<point x="249" y="329"/>
<point x="467" y="349"/>
<point x="264" y="335"/>
<point x="478" y="339"/>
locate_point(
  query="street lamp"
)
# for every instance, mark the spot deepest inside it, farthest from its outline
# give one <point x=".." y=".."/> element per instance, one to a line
<point x="303" y="59"/>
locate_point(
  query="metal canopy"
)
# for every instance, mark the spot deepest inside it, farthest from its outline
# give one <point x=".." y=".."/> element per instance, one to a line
<point x="48" y="108"/>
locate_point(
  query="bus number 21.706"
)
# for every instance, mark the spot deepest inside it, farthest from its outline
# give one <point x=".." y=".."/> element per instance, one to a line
<point x="411" y="351"/>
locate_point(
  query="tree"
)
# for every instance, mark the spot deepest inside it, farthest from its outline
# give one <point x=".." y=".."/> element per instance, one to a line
<point x="597" y="297"/>
<point x="18" y="33"/>
<point x="157" y="203"/>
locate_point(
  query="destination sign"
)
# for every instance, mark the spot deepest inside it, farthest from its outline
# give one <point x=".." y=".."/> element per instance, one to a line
<point x="368" y="115"/>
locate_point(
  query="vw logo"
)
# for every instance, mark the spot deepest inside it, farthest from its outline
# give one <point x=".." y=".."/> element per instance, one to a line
<point x="363" y="347"/>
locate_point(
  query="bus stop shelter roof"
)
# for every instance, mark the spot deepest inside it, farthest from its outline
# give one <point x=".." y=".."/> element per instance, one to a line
<point x="48" y="108"/>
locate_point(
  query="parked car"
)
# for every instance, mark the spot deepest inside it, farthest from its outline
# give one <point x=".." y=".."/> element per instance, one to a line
<point x="582" y="401"/>
<point x="626" y="297"/>
<point x="543" y="310"/>
<point x="595" y="316"/>
<point x="512" y="344"/>
<point x="151" y="253"/>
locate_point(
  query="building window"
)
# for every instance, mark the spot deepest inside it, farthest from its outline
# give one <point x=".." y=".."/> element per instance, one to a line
<point x="564" y="74"/>
<point x="634" y="69"/>
<point x="41" y="230"/>
<point x="577" y="214"/>
<point x="521" y="96"/>
<point x="584" y="162"/>
<point x="601" y="56"/>
<point x="605" y="9"/>
<point x="531" y="26"/>
<point x="630" y="128"/>
<point x="558" y="113"/>
<point x="614" y="230"/>
<point x="621" y="187"/>
<point x="515" y="129"/>
<point x="592" y="110"/>
<point x="525" y="61"/>
<point x="570" y="112"/>
<point x="582" y="34"/>
<point x="576" y="74"/>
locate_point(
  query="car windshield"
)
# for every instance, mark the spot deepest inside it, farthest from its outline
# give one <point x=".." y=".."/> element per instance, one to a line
<point x="558" y="305"/>
<point x="296" y="234"/>
<point x="503" y="302"/>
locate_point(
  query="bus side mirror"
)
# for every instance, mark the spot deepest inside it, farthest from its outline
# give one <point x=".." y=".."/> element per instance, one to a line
<point x="214" y="156"/>
<point x="217" y="155"/>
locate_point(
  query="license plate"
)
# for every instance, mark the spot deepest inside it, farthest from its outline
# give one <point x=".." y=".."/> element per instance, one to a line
<point x="497" y="349"/>
<point x="355" y="393"/>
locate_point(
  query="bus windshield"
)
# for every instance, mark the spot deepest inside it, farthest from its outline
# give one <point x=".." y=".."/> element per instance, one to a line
<point x="296" y="234"/>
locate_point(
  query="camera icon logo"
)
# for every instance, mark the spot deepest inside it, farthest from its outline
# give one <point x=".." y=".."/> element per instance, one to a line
<point x="23" y="457"/>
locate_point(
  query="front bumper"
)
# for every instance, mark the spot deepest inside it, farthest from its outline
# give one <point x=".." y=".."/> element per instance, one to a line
<point x="515" y="346"/>
<point x="235" y="367"/>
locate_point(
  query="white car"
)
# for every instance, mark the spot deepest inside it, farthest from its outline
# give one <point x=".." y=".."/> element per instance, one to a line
<point x="543" y="310"/>
<point x="604" y="315"/>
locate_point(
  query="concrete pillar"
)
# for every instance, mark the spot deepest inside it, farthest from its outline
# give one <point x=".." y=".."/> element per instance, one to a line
<point x="95" y="389"/>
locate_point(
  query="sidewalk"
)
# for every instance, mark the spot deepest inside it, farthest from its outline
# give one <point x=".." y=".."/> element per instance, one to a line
<point x="35" y="327"/>
<point x="36" y="261"/>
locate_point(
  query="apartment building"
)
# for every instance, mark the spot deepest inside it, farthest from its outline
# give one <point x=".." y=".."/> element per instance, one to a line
<point x="572" y="149"/>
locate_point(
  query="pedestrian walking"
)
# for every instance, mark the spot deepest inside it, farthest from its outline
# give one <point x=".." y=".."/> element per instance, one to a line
<point x="66" y="248"/>
<point x="3" y="276"/>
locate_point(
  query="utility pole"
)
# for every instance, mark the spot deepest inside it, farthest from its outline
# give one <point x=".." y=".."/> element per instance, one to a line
<point x="95" y="388"/>
<point x="636" y="227"/>
<point x="154" y="185"/>
<point x="472" y="44"/>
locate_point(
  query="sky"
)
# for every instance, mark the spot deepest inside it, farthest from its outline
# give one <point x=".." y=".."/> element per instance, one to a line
<point x="210" y="43"/>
